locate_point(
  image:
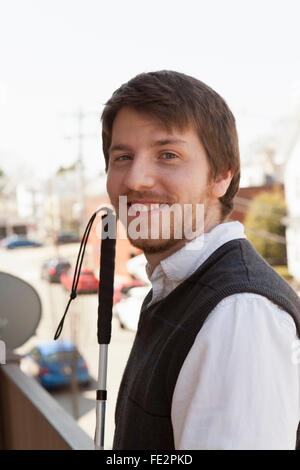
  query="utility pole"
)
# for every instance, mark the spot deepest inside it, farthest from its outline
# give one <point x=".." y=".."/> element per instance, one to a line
<point x="80" y="169"/>
<point x="80" y="136"/>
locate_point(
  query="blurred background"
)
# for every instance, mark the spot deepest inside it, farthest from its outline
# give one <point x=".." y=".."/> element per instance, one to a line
<point x="60" y="61"/>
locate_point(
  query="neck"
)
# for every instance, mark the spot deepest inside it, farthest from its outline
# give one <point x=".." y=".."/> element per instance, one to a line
<point x="155" y="258"/>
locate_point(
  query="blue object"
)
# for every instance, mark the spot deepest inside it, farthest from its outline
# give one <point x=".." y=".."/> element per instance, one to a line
<point x="55" y="363"/>
<point x="17" y="241"/>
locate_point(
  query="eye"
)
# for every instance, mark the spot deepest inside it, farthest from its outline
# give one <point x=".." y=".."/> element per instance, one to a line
<point x="168" y="156"/>
<point x="122" y="158"/>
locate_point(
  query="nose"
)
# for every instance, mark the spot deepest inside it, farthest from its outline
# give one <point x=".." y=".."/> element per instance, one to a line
<point x="140" y="174"/>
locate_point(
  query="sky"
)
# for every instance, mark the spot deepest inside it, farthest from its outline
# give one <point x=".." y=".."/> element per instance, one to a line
<point x="60" y="56"/>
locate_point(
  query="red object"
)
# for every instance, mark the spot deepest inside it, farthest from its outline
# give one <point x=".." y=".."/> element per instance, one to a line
<point x="44" y="371"/>
<point x="87" y="281"/>
<point x="52" y="271"/>
<point x="124" y="286"/>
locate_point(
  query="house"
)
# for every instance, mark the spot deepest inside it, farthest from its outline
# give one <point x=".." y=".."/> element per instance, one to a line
<point x="243" y="200"/>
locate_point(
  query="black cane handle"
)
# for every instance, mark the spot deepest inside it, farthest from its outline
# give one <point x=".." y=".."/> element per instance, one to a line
<point x="106" y="277"/>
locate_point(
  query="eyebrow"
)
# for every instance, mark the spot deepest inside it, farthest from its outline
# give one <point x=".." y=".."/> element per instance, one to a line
<point x="156" y="143"/>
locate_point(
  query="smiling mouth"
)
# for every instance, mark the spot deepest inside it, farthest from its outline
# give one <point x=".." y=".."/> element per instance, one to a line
<point x="146" y="207"/>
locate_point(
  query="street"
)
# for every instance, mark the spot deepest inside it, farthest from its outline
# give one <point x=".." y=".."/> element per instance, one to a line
<point x="80" y="324"/>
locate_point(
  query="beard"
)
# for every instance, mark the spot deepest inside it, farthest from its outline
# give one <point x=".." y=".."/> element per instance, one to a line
<point x="188" y="223"/>
<point x="154" y="246"/>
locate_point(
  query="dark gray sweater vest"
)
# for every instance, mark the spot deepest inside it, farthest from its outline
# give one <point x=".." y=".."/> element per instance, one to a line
<point x="167" y="330"/>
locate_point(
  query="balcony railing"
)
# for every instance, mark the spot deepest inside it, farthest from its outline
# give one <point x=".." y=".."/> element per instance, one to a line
<point x="31" y="419"/>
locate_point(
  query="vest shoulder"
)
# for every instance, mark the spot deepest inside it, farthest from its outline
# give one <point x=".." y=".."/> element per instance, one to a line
<point x="236" y="267"/>
<point x="238" y="258"/>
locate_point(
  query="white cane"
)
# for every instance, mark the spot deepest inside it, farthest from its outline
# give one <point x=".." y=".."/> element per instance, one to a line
<point x="105" y="304"/>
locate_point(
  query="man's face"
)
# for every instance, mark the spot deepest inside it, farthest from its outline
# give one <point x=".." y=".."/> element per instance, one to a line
<point x="151" y="165"/>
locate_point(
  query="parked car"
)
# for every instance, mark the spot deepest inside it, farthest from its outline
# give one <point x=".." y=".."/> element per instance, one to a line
<point x="51" y="363"/>
<point x="53" y="268"/>
<point x="17" y="241"/>
<point x="67" y="237"/>
<point x="121" y="289"/>
<point x="136" y="266"/>
<point x="87" y="281"/>
<point x="128" y="310"/>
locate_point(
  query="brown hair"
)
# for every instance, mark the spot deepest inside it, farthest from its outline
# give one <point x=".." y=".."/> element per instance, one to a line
<point x="178" y="100"/>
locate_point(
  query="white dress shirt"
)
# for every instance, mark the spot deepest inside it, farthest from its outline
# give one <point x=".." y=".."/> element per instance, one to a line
<point x="238" y="387"/>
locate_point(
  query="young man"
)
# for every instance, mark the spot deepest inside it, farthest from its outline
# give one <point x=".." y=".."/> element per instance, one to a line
<point x="211" y="365"/>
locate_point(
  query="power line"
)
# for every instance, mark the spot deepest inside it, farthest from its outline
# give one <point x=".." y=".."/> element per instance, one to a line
<point x="240" y="208"/>
<point x="263" y="233"/>
<point x="267" y="235"/>
<point x="250" y="202"/>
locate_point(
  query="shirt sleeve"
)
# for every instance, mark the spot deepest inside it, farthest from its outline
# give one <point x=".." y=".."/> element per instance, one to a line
<point x="239" y="386"/>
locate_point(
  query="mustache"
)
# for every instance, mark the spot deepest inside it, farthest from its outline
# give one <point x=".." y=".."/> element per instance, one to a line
<point x="150" y="196"/>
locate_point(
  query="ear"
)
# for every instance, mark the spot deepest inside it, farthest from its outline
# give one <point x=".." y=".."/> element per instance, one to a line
<point x="221" y="184"/>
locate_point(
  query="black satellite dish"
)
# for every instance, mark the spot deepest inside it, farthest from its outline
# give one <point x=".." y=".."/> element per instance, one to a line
<point x="20" y="310"/>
